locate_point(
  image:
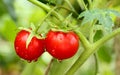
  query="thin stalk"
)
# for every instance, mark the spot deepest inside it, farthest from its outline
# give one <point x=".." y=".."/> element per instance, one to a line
<point x="104" y="39"/>
<point x="91" y="36"/>
<point x="48" y="68"/>
<point x="46" y="8"/>
<point x="91" y="39"/>
<point x="70" y="5"/>
<point x="82" y="4"/>
<point x="83" y="39"/>
<point x="68" y="9"/>
<point x="96" y="64"/>
<point x="39" y="4"/>
<point x="90" y="4"/>
<point x="92" y="33"/>
<point x="49" y="13"/>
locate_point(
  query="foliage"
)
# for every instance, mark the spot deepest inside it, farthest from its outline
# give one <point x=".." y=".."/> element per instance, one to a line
<point x="92" y="20"/>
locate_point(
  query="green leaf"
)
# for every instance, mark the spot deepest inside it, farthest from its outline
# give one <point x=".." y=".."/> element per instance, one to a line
<point x="2" y="8"/>
<point x="98" y="35"/>
<point x="88" y="16"/>
<point x="98" y="27"/>
<point x="37" y="16"/>
<point x="116" y="13"/>
<point x="105" y="53"/>
<point x="106" y="21"/>
<point x="8" y="5"/>
<point x="8" y="28"/>
<point x="102" y="16"/>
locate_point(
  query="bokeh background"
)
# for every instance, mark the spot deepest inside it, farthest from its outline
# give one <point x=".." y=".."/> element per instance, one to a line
<point x="21" y="13"/>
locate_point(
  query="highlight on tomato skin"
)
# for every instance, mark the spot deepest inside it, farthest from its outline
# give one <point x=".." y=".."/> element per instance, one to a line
<point x="61" y="45"/>
<point x="34" y="50"/>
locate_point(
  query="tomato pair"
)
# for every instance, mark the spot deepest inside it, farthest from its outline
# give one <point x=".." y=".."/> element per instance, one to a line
<point x="59" y="44"/>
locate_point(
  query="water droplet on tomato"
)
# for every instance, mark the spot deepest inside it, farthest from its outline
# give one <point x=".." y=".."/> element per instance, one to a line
<point x="17" y="48"/>
<point x="53" y="52"/>
<point x="26" y="56"/>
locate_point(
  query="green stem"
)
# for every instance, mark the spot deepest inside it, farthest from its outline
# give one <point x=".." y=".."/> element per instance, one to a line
<point x="70" y="5"/>
<point x="92" y="33"/>
<point x="85" y="55"/>
<point x="82" y="4"/>
<point x="90" y="4"/>
<point x="49" y="13"/>
<point x="68" y="9"/>
<point x="48" y="68"/>
<point x="91" y="36"/>
<point x="104" y="39"/>
<point x="96" y="64"/>
<point x="46" y="8"/>
<point x="83" y="39"/>
<point x="43" y="6"/>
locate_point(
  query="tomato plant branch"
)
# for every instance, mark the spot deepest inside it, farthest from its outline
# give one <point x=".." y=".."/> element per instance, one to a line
<point x="104" y="39"/>
<point x="70" y="5"/>
<point x="83" y="39"/>
<point x="90" y="48"/>
<point x="83" y="4"/>
<point x="91" y="39"/>
<point x="68" y="9"/>
<point x="85" y="55"/>
<point x="92" y="32"/>
<point x="90" y="4"/>
<point x="82" y="58"/>
<point x="91" y="36"/>
<point x="47" y="9"/>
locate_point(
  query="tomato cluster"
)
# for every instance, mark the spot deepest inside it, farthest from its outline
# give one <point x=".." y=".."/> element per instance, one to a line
<point x="61" y="45"/>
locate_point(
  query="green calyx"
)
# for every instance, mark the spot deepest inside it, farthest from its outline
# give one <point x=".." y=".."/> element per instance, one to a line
<point x="33" y="33"/>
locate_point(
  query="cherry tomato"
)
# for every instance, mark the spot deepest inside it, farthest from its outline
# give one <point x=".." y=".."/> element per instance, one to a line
<point x="34" y="49"/>
<point x="62" y="45"/>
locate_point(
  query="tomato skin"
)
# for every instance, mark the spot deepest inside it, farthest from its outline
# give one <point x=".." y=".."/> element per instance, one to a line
<point x="34" y="49"/>
<point x="61" y="45"/>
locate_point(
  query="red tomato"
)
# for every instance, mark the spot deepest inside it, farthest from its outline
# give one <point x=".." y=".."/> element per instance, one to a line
<point x="62" y="45"/>
<point x="34" y="49"/>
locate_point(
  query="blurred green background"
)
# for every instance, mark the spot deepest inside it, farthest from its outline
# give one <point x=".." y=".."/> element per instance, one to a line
<point x="17" y="13"/>
<point x="14" y="14"/>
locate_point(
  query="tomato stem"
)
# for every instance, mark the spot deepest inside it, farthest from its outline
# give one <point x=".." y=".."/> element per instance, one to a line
<point x="90" y="4"/>
<point x="90" y="47"/>
<point x="83" y="39"/>
<point x="96" y="64"/>
<point x="70" y="5"/>
<point x="92" y="32"/>
<point x="106" y="38"/>
<point x="47" y="9"/>
<point x="82" y="58"/>
<point x="85" y="55"/>
<point x="82" y="4"/>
